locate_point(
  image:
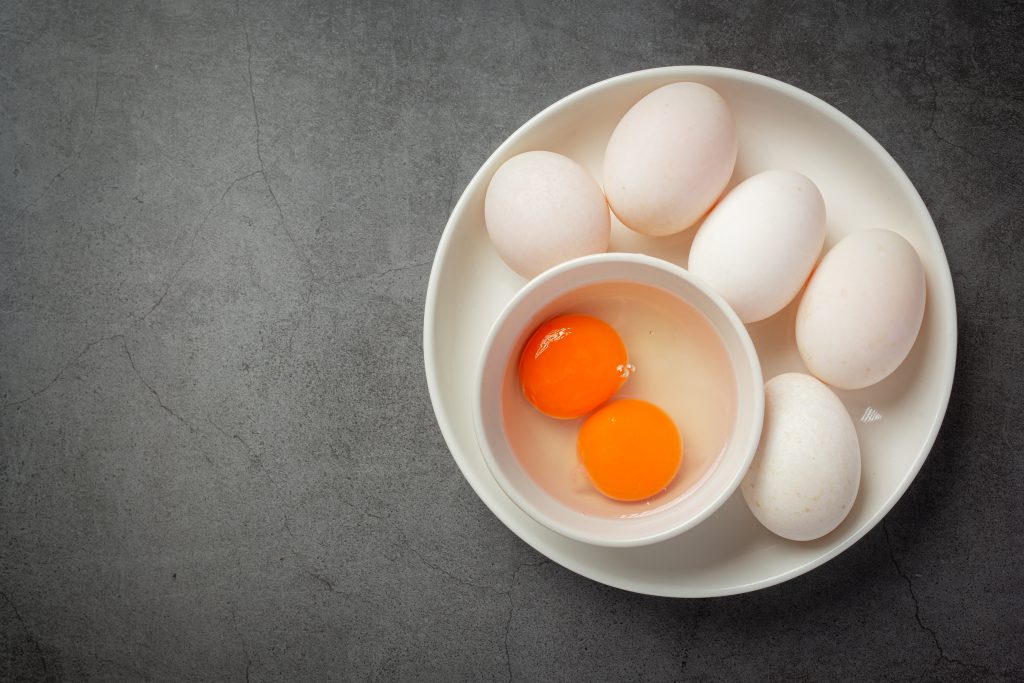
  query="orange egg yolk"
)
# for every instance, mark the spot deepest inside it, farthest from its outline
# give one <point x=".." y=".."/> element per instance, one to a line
<point x="631" y="449"/>
<point x="571" y="364"/>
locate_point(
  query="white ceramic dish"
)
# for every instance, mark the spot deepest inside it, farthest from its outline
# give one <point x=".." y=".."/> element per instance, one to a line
<point x="553" y="292"/>
<point x="897" y="420"/>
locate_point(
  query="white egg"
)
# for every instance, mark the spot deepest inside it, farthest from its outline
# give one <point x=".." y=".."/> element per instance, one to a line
<point x="542" y="209"/>
<point x="758" y="245"/>
<point x="862" y="309"/>
<point x="806" y="473"/>
<point x="670" y="158"/>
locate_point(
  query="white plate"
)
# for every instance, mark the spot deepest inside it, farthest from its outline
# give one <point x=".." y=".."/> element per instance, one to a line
<point x="897" y="420"/>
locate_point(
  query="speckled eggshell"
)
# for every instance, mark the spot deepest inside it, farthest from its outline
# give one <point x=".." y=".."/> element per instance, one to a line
<point x="542" y="209"/>
<point x="862" y="309"/>
<point x="806" y="473"/>
<point x="758" y="245"/>
<point x="670" y="158"/>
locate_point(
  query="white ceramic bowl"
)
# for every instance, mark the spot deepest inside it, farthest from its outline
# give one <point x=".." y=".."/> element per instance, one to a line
<point x="897" y="420"/>
<point x="550" y="294"/>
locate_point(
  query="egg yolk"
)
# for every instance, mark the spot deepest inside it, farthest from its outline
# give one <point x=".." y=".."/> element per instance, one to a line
<point x="571" y="364"/>
<point x="631" y="449"/>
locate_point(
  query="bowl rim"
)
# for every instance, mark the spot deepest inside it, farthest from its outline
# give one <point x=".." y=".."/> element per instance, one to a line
<point x="748" y="357"/>
<point x="943" y="282"/>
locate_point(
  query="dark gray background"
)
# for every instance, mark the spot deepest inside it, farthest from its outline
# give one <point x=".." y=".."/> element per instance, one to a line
<point x="218" y="459"/>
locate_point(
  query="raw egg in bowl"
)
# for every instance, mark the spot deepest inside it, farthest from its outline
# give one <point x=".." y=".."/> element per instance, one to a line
<point x="619" y="401"/>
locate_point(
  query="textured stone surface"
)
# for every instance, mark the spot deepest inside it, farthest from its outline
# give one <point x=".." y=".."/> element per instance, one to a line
<point x="218" y="459"/>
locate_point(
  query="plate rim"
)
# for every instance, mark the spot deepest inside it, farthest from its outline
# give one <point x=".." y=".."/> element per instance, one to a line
<point x="944" y="284"/>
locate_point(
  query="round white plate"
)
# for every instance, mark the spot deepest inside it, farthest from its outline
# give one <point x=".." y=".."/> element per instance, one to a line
<point x="897" y="420"/>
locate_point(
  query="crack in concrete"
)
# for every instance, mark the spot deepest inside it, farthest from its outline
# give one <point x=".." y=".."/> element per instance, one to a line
<point x="419" y="555"/>
<point x="159" y="400"/>
<point x="192" y="243"/>
<point x="254" y="458"/>
<point x="934" y="107"/>
<point x="262" y="172"/>
<point x="582" y="39"/>
<point x="942" y="656"/>
<point x="60" y="373"/>
<point x="74" y="159"/>
<point x="28" y="632"/>
<point x="361" y="277"/>
<point x="322" y="580"/>
<point x="299" y="558"/>
<point x="511" y="609"/>
<point x="508" y="623"/>
<point x="170" y="411"/>
<point x="507" y="594"/>
<point x="131" y="360"/>
<point x="245" y="643"/>
<point x="303" y="563"/>
<point x="390" y="521"/>
<point x="415" y="551"/>
<point x="263" y="168"/>
<point x="399" y="269"/>
<point x="451" y="199"/>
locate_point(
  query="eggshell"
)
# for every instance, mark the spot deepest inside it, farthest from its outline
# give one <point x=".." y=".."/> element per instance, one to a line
<point x="542" y="209"/>
<point x="862" y="309"/>
<point x="806" y="473"/>
<point x="758" y="245"/>
<point x="670" y="158"/>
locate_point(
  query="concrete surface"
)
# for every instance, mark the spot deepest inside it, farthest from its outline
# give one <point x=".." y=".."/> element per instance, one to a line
<point x="218" y="459"/>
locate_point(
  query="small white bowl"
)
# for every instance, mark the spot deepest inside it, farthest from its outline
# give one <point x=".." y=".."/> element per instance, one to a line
<point x="544" y="297"/>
